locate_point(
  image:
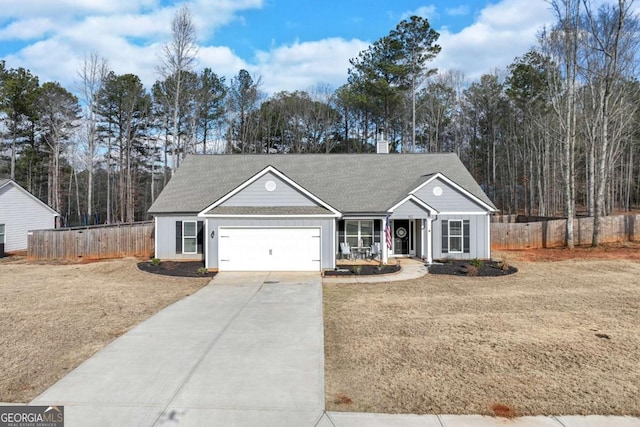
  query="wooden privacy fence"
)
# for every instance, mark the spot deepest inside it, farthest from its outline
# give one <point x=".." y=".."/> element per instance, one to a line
<point x="552" y="233"/>
<point x="93" y="242"/>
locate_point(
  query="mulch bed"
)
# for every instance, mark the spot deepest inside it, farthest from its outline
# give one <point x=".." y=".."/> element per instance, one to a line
<point x="362" y="270"/>
<point x="176" y="269"/>
<point x="465" y="268"/>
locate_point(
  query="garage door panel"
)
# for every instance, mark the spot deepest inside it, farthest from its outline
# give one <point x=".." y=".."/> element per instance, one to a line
<point x="269" y="249"/>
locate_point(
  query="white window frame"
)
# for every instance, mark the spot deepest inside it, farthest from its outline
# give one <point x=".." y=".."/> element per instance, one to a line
<point x="460" y="236"/>
<point x="3" y="234"/>
<point x="360" y="235"/>
<point x="194" y="237"/>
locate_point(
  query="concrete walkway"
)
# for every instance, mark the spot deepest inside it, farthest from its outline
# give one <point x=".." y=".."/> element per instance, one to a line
<point x="346" y="419"/>
<point x="245" y="350"/>
<point x="411" y="268"/>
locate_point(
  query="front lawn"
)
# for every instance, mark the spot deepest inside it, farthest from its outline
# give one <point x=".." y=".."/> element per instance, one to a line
<point x="53" y="317"/>
<point x="555" y="338"/>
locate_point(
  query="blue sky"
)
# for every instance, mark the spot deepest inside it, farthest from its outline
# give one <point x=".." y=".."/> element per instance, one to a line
<point x="291" y="45"/>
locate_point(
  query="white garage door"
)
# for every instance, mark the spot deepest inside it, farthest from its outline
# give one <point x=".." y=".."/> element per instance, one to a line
<point x="269" y="249"/>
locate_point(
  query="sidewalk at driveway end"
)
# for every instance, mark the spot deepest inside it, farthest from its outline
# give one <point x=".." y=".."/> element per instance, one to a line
<point x="355" y="419"/>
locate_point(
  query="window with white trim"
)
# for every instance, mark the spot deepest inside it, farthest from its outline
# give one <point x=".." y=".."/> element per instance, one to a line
<point x="455" y="236"/>
<point x="359" y="233"/>
<point x="189" y="237"/>
<point x="2" y="235"/>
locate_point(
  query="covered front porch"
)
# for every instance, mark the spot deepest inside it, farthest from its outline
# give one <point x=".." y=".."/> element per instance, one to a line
<point x="380" y="238"/>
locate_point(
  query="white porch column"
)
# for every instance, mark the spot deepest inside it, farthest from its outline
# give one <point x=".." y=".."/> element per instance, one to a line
<point x="334" y="238"/>
<point x="155" y="237"/>
<point x="383" y="242"/>
<point x="429" y="241"/>
<point x="489" y="235"/>
<point x="423" y="240"/>
<point x="205" y="243"/>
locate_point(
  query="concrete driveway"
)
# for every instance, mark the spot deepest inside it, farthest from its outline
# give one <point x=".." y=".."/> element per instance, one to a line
<point x="247" y="349"/>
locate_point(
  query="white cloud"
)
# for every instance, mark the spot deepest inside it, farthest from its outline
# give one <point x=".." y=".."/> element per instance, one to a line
<point x="48" y="8"/>
<point x="37" y="58"/>
<point x="514" y="14"/>
<point x="462" y="10"/>
<point x="28" y="29"/>
<point x="501" y="32"/>
<point x="221" y="60"/>
<point x="429" y="12"/>
<point x="130" y="33"/>
<point x="302" y="65"/>
<point x="210" y="15"/>
<point x="149" y="26"/>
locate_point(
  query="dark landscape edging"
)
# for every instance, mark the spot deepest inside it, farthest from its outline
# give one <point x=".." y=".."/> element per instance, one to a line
<point x="348" y="272"/>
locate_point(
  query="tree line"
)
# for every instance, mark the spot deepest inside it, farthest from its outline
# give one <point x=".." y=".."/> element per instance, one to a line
<point x="553" y="134"/>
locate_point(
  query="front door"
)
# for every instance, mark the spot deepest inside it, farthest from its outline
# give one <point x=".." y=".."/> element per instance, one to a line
<point x="401" y="237"/>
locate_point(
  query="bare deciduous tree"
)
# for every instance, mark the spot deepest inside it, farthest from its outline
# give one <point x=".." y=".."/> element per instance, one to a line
<point x="178" y="57"/>
<point x="91" y="74"/>
<point x="563" y="46"/>
<point x="611" y="42"/>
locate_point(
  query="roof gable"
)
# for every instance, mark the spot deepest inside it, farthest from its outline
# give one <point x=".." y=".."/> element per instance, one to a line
<point x="6" y="183"/>
<point x="274" y="193"/>
<point x="447" y="196"/>
<point x="269" y="190"/>
<point x="411" y="205"/>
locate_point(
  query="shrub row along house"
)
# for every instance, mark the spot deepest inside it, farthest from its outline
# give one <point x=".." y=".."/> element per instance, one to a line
<point x="299" y="212"/>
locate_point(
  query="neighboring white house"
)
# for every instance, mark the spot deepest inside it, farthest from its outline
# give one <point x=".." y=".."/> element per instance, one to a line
<point x="21" y="211"/>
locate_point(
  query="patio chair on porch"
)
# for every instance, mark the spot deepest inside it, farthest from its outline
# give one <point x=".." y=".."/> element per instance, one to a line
<point x="375" y="250"/>
<point x="346" y="250"/>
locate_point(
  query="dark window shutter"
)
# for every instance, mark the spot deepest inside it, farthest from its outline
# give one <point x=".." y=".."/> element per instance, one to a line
<point x="178" y="237"/>
<point x="340" y="232"/>
<point x="377" y="229"/>
<point x="200" y="236"/>
<point x="445" y="236"/>
<point x="465" y="237"/>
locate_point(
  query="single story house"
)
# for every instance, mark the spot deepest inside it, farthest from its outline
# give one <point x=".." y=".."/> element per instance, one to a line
<point x="21" y="211"/>
<point x="299" y="211"/>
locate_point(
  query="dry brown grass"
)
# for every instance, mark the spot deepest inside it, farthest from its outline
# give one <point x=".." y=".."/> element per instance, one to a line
<point x="555" y="338"/>
<point x="620" y="250"/>
<point x="53" y="317"/>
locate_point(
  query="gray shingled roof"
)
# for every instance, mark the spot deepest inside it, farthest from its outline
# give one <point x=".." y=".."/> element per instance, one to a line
<point x="350" y="183"/>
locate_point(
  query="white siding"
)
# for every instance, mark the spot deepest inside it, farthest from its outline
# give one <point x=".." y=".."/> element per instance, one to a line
<point x="451" y="200"/>
<point x="256" y="194"/>
<point x="165" y="236"/>
<point x="21" y="212"/>
<point x="409" y="209"/>
<point x="478" y="237"/>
